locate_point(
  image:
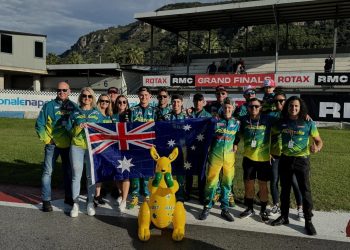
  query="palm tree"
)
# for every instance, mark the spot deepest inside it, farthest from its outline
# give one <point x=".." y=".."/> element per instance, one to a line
<point x="135" y="55"/>
<point x="52" y="58"/>
<point x="74" y="58"/>
<point x="115" y="54"/>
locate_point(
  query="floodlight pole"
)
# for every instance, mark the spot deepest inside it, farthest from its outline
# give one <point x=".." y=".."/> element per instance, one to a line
<point x="277" y="36"/>
<point x="335" y="39"/>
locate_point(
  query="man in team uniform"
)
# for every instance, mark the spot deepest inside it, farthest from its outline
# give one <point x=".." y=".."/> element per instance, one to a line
<point x="163" y="107"/>
<point x="249" y="93"/>
<point x="215" y="107"/>
<point x="142" y="112"/>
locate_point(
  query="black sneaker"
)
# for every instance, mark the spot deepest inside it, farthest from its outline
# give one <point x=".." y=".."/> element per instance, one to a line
<point x="204" y="214"/>
<point x="310" y="229"/>
<point x="264" y="216"/>
<point x="247" y="213"/>
<point x="226" y="215"/>
<point x="280" y="221"/>
<point x="98" y="201"/>
<point x="47" y="206"/>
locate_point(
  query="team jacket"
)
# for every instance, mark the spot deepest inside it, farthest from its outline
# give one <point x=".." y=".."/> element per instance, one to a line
<point x="201" y="114"/>
<point x="171" y="116"/>
<point x="140" y="114"/>
<point x="52" y="120"/>
<point x="82" y="116"/>
<point x="160" y="112"/>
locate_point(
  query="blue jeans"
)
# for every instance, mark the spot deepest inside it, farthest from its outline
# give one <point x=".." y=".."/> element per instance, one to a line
<point x="51" y="154"/>
<point x="274" y="184"/>
<point x="79" y="156"/>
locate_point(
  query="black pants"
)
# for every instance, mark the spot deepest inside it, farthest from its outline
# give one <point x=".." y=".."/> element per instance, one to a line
<point x="300" y="166"/>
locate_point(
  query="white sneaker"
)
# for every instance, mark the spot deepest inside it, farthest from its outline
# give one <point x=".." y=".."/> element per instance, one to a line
<point x="122" y="207"/>
<point x="75" y="210"/>
<point x="300" y="214"/>
<point x="90" y="209"/>
<point x="119" y="201"/>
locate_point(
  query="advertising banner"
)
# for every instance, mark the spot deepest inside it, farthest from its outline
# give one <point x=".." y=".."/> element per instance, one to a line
<point x="294" y="79"/>
<point x="331" y="108"/>
<point x="330" y="79"/>
<point x="182" y="80"/>
<point x="156" y="81"/>
<point x="232" y="80"/>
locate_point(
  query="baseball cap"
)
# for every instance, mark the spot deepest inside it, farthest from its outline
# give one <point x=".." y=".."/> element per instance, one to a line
<point x="248" y="90"/>
<point x="113" y="90"/>
<point x="143" y="88"/>
<point x="227" y="100"/>
<point x="198" y="97"/>
<point x="220" y="88"/>
<point x="269" y="83"/>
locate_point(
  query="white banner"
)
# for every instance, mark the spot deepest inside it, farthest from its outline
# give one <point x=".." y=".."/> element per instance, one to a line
<point x="294" y="79"/>
<point x="156" y="81"/>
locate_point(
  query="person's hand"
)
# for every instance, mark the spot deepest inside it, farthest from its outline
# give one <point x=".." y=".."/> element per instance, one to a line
<point x="189" y="111"/>
<point x="314" y="148"/>
<point x="83" y="125"/>
<point x="235" y="148"/>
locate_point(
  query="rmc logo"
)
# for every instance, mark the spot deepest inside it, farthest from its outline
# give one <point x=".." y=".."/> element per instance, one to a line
<point x="333" y="79"/>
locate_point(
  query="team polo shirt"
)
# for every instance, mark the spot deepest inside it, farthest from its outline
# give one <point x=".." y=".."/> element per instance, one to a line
<point x="241" y="111"/>
<point x="200" y="114"/>
<point x="173" y="117"/>
<point x="82" y="116"/>
<point x="299" y="132"/>
<point x="140" y="114"/>
<point x="260" y="132"/>
<point x="160" y="112"/>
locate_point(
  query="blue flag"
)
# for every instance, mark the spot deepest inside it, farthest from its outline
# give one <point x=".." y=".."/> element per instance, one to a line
<point x="121" y="150"/>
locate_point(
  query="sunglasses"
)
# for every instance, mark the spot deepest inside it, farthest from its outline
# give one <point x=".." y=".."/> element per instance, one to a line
<point x="280" y="101"/>
<point x="254" y="106"/>
<point x="104" y="101"/>
<point x="112" y="92"/>
<point x="162" y="96"/>
<point x="62" y="90"/>
<point x="121" y="102"/>
<point x="221" y="93"/>
<point x="86" y="96"/>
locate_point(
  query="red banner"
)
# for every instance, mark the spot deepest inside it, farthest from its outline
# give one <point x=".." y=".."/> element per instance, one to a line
<point x="232" y="80"/>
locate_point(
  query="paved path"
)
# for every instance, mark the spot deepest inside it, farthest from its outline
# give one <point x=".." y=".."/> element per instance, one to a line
<point x="330" y="226"/>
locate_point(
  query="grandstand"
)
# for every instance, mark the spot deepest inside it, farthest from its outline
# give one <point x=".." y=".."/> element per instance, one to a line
<point x="286" y="63"/>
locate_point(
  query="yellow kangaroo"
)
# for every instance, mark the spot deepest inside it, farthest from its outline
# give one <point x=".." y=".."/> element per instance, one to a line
<point x="162" y="208"/>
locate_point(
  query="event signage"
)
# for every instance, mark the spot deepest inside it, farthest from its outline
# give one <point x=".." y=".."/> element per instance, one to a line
<point x="332" y="79"/>
<point x="156" y="81"/>
<point x="182" y="80"/>
<point x="294" y="79"/>
<point x="331" y="108"/>
<point x="232" y="80"/>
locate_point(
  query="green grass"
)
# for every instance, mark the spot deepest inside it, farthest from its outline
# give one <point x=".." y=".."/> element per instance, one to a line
<point x="21" y="156"/>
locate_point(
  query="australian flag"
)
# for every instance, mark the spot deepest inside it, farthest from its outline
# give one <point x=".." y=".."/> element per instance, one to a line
<point x="122" y="150"/>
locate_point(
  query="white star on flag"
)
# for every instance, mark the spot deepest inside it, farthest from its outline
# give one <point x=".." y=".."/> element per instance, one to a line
<point x="187" y="165"/>
<point x="187" y="127"/>
<point x="125" y="164"/>
<point x="193" y="147"/>
<point x="200" y="137"/>
<point x="171" y="143"/>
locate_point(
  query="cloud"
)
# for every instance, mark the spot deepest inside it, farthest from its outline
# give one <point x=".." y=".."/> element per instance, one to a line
<point x="64" y="21"/>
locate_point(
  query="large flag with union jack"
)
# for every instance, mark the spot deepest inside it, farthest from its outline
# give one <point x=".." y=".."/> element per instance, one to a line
<point x="121" y="150"/>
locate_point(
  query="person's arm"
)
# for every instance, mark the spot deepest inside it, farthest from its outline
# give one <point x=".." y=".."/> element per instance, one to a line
<point x="316" y="145"/>
<point x="40" y="125"/>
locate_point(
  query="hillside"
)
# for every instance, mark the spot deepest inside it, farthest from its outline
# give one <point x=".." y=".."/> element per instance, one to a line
<point x="131" y="43"/>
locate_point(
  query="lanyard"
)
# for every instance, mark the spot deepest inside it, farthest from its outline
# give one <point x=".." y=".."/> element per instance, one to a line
<point x="256" y="127"/>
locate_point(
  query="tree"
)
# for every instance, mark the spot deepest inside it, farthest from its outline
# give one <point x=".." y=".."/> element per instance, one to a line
<point x="74" y="58"/>
<point x="116" y="54"/>
<point x="135" y="55"/>
<point x="52" y="58"/>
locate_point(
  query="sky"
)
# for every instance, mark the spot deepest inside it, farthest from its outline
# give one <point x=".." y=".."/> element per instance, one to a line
<point x="64" y="21"/>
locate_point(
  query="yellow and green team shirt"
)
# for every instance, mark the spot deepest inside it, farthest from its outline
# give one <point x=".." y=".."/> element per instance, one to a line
<point x="257" y="137"/>
<point x="82" y="116"/>
<point x="140" y="114"/>
<point x="296" y="135"/>
<point x="225" y="135"/>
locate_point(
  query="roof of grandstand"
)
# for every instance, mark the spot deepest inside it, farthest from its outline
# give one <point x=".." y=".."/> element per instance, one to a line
<point x="246" y="14"/>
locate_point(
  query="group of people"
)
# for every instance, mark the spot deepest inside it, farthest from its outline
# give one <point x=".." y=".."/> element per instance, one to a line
<point x="227" y="67"/>
<point x="275" y="132"/>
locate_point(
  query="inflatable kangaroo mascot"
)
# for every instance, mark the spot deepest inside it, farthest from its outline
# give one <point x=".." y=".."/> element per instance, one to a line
<point x="162" y="208"/>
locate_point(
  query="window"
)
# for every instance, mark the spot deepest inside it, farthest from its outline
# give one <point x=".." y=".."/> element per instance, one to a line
<point x="6" y="43"/>
<point x="39" y="49"/>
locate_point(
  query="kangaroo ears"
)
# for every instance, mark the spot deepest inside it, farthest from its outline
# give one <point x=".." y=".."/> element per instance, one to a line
<point x="154" y="154"/>
<point x="173" y="154"/>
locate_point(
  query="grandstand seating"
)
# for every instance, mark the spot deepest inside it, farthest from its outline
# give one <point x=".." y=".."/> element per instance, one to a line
<point x="286" y="63"/>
